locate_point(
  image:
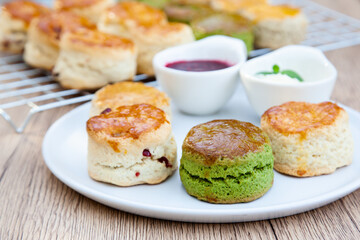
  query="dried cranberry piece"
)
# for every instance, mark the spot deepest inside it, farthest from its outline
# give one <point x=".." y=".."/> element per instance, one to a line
<point x="146" y="153"/>
<point x="166" y="161"/>
<point x="137" y="174"/>
<point x="106" y="110"/>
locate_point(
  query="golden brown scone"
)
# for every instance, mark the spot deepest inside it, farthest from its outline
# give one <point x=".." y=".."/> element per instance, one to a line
<point x="203" y="2"/>
<point x="15" y="18"/>
<point x="90" y="59"/>
<point x="234" y="5"/>
<point x="147" y="27"/>
<point x="128" y="93"/>
<point x="131" y="145"/>
<point x="308" y="139"/>
<point x="276" y="26"/>
<point x="90" y="9"/>
<point x="130" y="13"/>
<point x="42" y="47"/>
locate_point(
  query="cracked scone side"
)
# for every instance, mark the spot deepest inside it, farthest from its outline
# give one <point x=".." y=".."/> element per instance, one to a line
<point x="90" y="59"/>
<point x="309" y="139"/>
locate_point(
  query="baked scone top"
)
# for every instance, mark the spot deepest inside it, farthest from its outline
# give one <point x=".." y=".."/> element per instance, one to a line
<point x="54" y="24"/>
<point x="139" y="13"/>
<point x="24" y="10"/>
<point x="264" y="11"/>
<point x="235" y="5"/>
<point x="224" y="138"/>
<point x="68" y="4"/>
<point x="127" y="121"/>
<point x="299" y="117"/>
<point x="94" y="38"/>
<point x="128" y="93"/>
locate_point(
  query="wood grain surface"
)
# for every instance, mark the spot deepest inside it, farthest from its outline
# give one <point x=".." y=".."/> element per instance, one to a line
<point x="34" y="204"/>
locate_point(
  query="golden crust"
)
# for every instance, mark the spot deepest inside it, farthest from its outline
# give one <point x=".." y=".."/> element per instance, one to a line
<point x="24" y="10"/>
<point x="55" y="24"/>
<point x="225" y="138"/>
<point x="126" y="122"/>
<point x="235" y="5"/>
<point x="262" y="12"/>
<point x="128" y="93"/>
<point x="94" y="38"/>
<point x="138" y="13"/>
<point x="68" y="4"/>
<point x="164" y="30"/>
<point x="300" y="117"/>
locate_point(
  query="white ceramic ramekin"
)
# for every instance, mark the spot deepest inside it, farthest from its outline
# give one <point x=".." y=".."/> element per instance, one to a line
<point x="201" y="92"/>
<point x="310" y="63"/>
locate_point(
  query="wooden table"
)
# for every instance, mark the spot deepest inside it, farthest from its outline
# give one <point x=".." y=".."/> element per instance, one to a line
<point x="34" y="204"/>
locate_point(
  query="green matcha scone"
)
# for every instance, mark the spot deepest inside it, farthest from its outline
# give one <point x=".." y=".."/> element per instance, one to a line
<point x="226" y="161"/>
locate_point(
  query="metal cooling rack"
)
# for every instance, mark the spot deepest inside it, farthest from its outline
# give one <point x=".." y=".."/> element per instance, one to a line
<point x="33" y="90"/>
<point x="27" y="90"/>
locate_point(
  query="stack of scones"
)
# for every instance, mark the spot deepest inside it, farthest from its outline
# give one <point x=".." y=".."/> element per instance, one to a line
<point x="88" y="44"/>
<point x="130" y="142"/>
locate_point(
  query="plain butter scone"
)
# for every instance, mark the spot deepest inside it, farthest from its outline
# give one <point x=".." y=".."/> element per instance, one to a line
<point x="45" y="32"/>
<point x="15" y="18"/>
<point x="90" y="59"/>
<point x="128" y="93"/>
<point x="308" y="139"/>
<point x="276" y="26"/>
<point x="147" y="27"/>
<point x="131" y="145"/>
<point x="91" y="9"/>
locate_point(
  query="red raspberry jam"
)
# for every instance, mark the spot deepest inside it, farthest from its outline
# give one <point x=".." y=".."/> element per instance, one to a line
<point x="198" y="65"/>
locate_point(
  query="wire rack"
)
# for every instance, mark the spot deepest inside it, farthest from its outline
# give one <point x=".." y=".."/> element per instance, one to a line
<point x="27" y="90"/>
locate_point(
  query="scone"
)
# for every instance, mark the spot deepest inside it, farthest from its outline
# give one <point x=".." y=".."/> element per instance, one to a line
<point x="231" y="25"/>
<point x="131" y="145"/>
<point x="128" y="93"/>
<point x="276" y="26"/>
<point x="42" y="47"/>
<point x="15" y="18"/>
<point x="234" y="6"/>
<point x="308" y="139"/>
<point x="186" y="12"/>
<point x="90" y="9"/>
<point x="90" y="59"/>
<point x="226" y="161"/>
<point x="203" y="2"/>
<point x="147" y="27"/>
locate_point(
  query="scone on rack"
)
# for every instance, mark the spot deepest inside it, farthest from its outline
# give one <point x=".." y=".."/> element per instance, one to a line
<point x="308" y="139"/>
<point x="128" y="93"/>
<point x="234" y="5"/>
<point x="204" y="2"/>
<point x="131" y="145"/>
<point x="226" y="161"/>
<point x="147" y="27"/>
<point x="15" y="18"/>
<point x="276" y="26"/>
<point x="90" y="59"/>
<point x="42" y="47"/>
<point x="91" y="9"/>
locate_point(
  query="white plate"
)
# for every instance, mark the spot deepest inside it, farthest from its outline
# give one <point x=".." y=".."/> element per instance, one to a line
<point x="65" y="149"/>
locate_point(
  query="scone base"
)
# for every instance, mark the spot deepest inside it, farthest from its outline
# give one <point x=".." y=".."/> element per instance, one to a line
<point x="305" y="173"/>
<point x="247" y="179"/>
